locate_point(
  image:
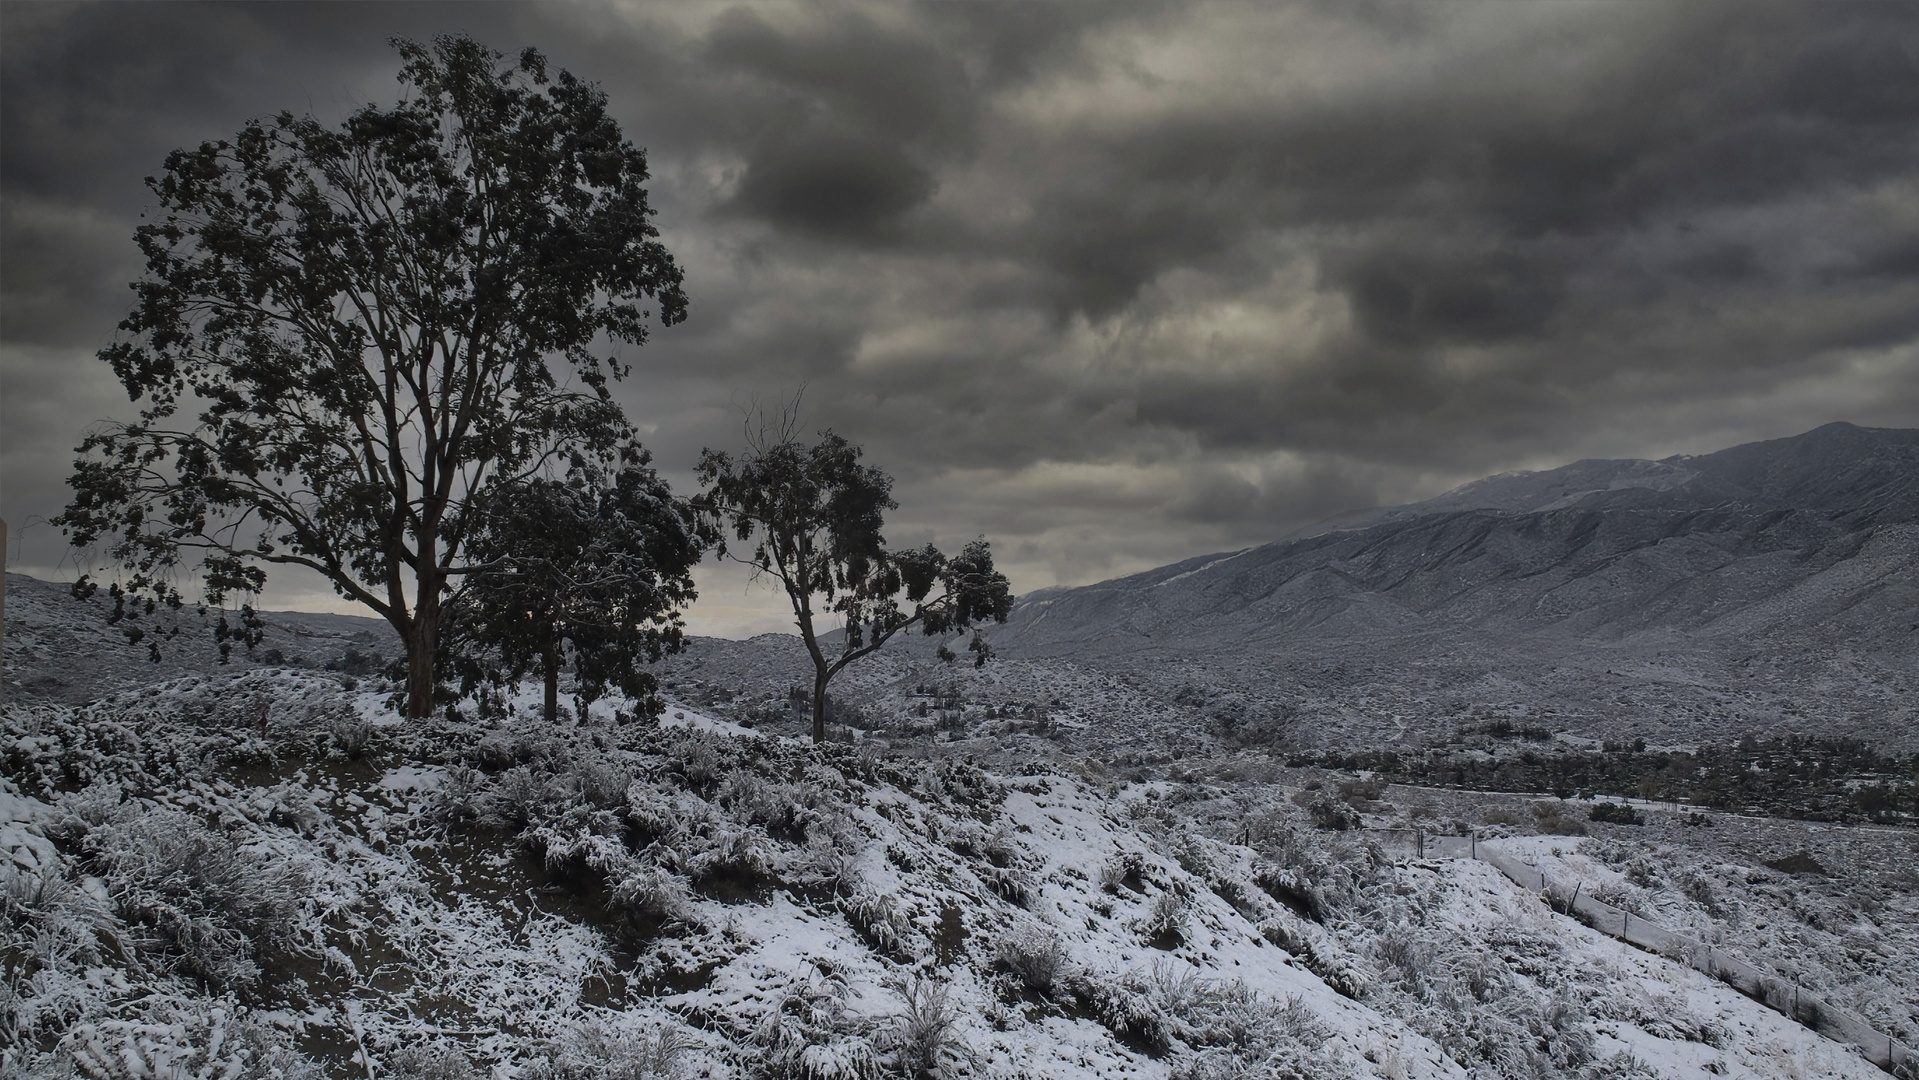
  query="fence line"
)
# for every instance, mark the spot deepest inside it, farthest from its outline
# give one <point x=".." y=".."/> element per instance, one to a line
<point x="1778" y="994"/>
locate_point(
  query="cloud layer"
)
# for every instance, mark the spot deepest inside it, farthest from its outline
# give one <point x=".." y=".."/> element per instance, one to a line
<point x="1112" y="284"/>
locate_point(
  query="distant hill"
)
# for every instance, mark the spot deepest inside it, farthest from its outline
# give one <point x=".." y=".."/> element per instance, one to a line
<point x="62" y="649"/>
<point x="1772" y="584"/>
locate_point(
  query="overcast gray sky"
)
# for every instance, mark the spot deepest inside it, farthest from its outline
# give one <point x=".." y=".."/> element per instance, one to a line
<point x="1112" y="284"/>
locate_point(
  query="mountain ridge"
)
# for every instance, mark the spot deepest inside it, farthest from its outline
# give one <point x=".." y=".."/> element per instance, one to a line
<point x="1801" y="554"/>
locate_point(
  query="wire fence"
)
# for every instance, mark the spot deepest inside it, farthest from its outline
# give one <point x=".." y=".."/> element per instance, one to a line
<point x="1782" y="995"/>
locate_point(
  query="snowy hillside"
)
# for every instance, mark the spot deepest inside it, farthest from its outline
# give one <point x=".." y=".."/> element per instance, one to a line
<point x="1766" y="588"/>
<point x="263" y="875"/>
<point x="1155" y="838"/>
<point x="59" y="648"/>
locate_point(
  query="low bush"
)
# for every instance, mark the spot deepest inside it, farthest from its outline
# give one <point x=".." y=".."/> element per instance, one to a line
<point x="430" y="1061"/>
<point x="203" y="901"/>
<point x="1127" y="869"/>
<point x="1616" y="814"/>
<point x="1034" y="956"/>
<point x="171" y="1038"/>
<point x="595" y="1051"/>
<point x="924" y="1036"/>
<point x="809" y="1034"/>
<point x="879" y="922"/>
<point x="1166" y="918"/>
<point x="1238" y="1035"/>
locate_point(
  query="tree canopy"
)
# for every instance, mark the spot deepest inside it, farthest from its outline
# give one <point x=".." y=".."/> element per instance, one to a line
<point x="594" y="569"/>
<point x="812" y="516"/>
<point x="347" y="338"/>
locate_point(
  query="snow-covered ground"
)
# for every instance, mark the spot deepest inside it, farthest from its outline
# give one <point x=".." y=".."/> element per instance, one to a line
<point x="265" y="872"/>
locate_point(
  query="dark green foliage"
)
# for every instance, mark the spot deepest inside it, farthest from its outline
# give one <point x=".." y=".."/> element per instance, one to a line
<point x="1799" y="862"/>
<point x="592" y="571"/>
<point x="360" y="322"/>
<point x="1617" y="814"/>
<point x="813" y="516"/>
<point x="1791" y="776"/>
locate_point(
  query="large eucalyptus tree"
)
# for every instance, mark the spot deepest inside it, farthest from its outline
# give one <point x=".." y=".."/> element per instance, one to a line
<point x="346" y="337"/>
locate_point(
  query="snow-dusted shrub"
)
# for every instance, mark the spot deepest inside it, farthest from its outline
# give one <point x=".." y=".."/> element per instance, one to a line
<point x="996" y="847"/>
<point x="1322" y="953"/>
<point x="1621" y="896"/>
<point x="55" y="748"/>
<point x="1126" y="869"/>
<point x="51" y="931"/>
<point x="785" y="811"/>
<point x="595" y="1051"/>
<point x="1034" y="955"/>
<point x="732" y="855"/>
<point x="1667" y="1016"/>
<point x="1467" y="996"/>
<point x="460" y="798"/>
<point x="1617" y="813"/>
<point x="1238" y="896"/>
<point x="1292" y="888"/>
<point x="92" y="806"/>
<point x="650" y="895"/>
<point x="808" y="1034"/>
<point x="1139" y="1007"/>
<point x="209" y="903"/>
<point x="1240" y="1035"/>
<point x="430" y="1061"/>
<point x="828" y="861"/>
<point x="579" y="839"/>
<point x="1556" y="819"/>
<point x="657" y="812"/>
<point x="183" y="1040"/>
<point x="1698" y="888"/>
<point x="523" y="796"/>
<point x="1125" y="1008"/>
<point x="1011" y="885"/>
<point x="965" y="785"/>
<point x="698" y="760"/>
<point x="1308" y="870"/>
<point x="1193" y="855"/>
<point x="1620" y="1066"/>
<point x="496" y="752"/>
<point x="880" y="923"/>
<point x="349" y="735"/>
<point x="1226" y="1028"/>
<point x="1166" y="918"/>
<point x="603" y="784"/>
<point x="924" y="1035"/>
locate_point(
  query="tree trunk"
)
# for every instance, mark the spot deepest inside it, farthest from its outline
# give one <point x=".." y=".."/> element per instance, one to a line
<point x="550" y="662"/>
<point x="421" y="639"/>
<point x="819" y="707"/>
<point x="421" y="643"/>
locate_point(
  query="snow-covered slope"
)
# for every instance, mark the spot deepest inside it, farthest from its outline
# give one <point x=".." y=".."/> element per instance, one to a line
<point x="264" y="872"/>
<point x="1795" y="560"/>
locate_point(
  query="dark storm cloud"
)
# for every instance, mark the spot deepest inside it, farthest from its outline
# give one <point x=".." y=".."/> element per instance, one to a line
<point x="1119" y="283"/>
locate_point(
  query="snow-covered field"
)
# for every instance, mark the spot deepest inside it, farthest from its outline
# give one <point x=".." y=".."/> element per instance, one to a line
<point x="263" y="874"/>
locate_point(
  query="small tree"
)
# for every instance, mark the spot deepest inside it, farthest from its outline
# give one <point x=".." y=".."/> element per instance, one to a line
<point x="813" y="515"/>
<point x="595" y="570"/>
<point x="362" y="320"/>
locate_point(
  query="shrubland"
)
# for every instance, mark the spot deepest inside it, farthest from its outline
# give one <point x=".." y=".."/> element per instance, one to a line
<point x="266" y="875"/>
